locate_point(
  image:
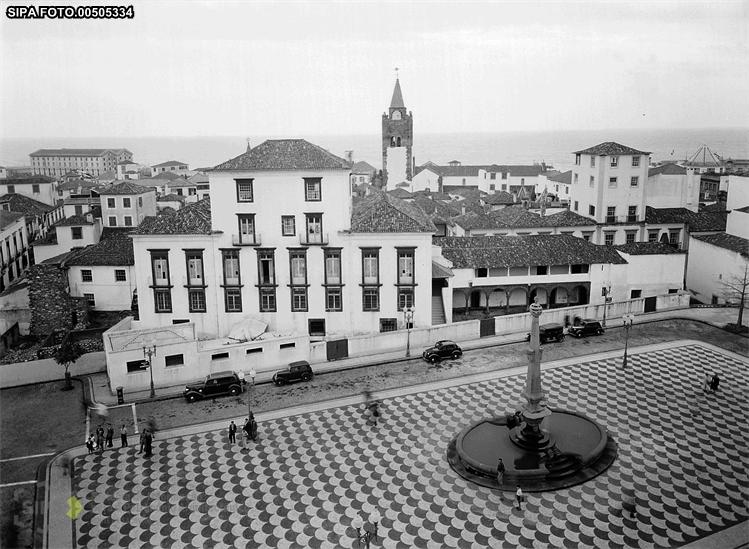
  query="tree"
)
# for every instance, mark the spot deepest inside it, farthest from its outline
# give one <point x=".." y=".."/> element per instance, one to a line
<point x="734" y="290"/>
<point x="67" y="353"/>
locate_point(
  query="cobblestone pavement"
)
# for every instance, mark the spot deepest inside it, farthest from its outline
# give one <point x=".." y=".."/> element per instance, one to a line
<point x="681" y="472"/>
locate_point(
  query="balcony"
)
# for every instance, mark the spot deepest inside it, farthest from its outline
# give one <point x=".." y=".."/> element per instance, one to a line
<point x="313" y="239"/>
<point x="246" y="240"/>
<point x="613" y="219"/>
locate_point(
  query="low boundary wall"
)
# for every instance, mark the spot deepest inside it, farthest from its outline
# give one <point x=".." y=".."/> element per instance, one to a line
<point x="40" y="371"/>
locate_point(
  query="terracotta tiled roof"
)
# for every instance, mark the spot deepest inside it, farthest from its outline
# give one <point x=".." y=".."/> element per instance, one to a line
<point x="23" y="204"/>
<point x="73" y="184"/>
<point x="75" y="220"/>
<point x="697" y="222"/>
<point x="162" y="176"/>
<point x="169" y="164"/>
<point x="667" y="169"/>
<point x="74" y="152"/>
<point x="470" y="252"/>
<point x="171" y="197"/>
<point x="520" y="171"/>
<point x="400" y="193"/>
<point x="382" y="213"/>
<point x="440" y="271"/>
<point x="610" y="148"/>
<point x="115" y="251"/>
<point x="501" y="197"/>
<point x="565" y="177"/>
<point x="6" y="218"/>
<point x="648" y="248"/>
<point x="198" y="178"/>
<point x="362" y="167"/>
<point x="726" y="241"/>
<point x="285" y="154"/>
<point x="125" y="187"/>
<point x="518" y="217"/>
<point x="194" y="218"/>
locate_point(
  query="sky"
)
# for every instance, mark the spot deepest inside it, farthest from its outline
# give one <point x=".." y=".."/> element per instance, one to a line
<point x="204" y="68"/>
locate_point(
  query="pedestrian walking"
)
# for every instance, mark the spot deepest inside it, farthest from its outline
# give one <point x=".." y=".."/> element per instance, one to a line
<point x="232" y="432"/>
<point x="90" y="444"/>
<point x="706" y="385"/>
<point x="100" y="438"/>
<point x="110" y="435"/>
<point x="142" y="440"/>
<point x="147" y="440"/>
<point x="714" y="382"/>
<point x="519" y="498"/>
<point x="240" y="435"/>
<point x="500" y="472"/>
<point x="123" y="436"/>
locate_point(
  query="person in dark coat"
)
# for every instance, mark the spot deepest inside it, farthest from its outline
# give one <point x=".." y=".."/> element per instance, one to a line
<point x="714" y="382"/>
<point x="232" y="432"/>
<point x="90" y="444"/>
<point x="110" y="435"/>
<point x="100" y="438"/>
<point x="147" y="440"/>
<point x="500" y="471"/>
<point x="123" y="436"/>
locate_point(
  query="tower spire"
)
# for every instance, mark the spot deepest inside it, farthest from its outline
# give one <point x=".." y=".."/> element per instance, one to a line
<point x="397" y="101"/>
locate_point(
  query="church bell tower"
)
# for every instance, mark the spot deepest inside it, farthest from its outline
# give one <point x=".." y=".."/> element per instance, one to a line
<point x="397" y="141"/>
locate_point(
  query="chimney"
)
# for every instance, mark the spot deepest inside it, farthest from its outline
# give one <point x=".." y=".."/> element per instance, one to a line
<point x="248" y="145"/>
<point x="349" y="156"/>
<point x="89" y="217"/>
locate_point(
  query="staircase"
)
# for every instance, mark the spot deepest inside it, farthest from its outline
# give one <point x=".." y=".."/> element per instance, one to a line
<point x="438" y="311"/>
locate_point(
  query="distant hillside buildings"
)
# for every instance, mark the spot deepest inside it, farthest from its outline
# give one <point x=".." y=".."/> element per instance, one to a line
<point x="58" y="162"/>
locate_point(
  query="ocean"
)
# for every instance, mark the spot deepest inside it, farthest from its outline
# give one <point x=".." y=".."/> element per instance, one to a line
<point x="553" y="147"/>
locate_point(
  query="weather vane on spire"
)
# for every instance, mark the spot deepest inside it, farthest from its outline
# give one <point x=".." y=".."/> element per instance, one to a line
<point x="396" y="73"/>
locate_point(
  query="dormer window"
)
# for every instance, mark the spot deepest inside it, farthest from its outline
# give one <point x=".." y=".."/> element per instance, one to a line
<point x="396" y="115"/>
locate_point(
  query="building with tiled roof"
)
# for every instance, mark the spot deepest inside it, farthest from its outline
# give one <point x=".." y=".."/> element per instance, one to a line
<point x="611" y="148"/>
<point x="696" y="222"/>
<point x="125" y="188"/>
<point x="647" y="248"/>
<point x="385" y="213"/>
<point x="285" y="154"/>
<point x="14" y="247"/>
<point x="57" y="162"/>
<point x="127" y="204"/>
<point x="672" y="186"/>
<point x="518" y="221"/>
<point x="192" y="219"/>
<point x="39" y="217"/>
<point x="38" y="187"/>
<point x="726" y="241"/>
<point x="718" y="266"/>
<point x="401" y="193"/>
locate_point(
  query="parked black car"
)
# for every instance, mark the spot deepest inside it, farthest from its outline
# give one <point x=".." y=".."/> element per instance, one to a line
<point x="586" y="327"/>
<point x="220" y="383"/>
<point x="442" y="349"/>
<point x="296" y="371"/>
<point x="549" y="332"/>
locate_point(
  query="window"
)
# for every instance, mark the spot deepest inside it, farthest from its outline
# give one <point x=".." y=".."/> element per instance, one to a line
<point x="493" y="175"/>
<point x="197" y="301"/>
<point x="405" y="298"/>
<point x="591" y="210"/>
<point x="576" y="204"/>
<point x="576" y="178"/>
<point x="136" y="366"/>
<point x="504" y="176"/>
<point x="579" y="268"/>
<point x="333" y="301"/>
<point x="246" y="228"/>
<point x="370" y="266"/>
<point x="78" y="210"/>
<point x="371" y="299"/>
<point x="519" y="270"/>
<point x="298" y="267"/>
<point x="233" y="300"/>
<point x="174" y="360"/>
<point x="76" y="233"/>
<point x="634" y="294"/>
<point x="120" y="275"/>
<point x="614" y="161"/>
<point x="253" y="350"/>
<point x="541" y="269"/>
<point x="161" y="281"/>
<point x="332" y="267"/>
<point x="592" y="182"/>
<point x="611" y="214"/>
<point x="35" y="189"/>
<point x="634" y="181"/>
<point x="110" y="203"/>
<point x="405" y="266"/>
<point x="287" y="345"/>
<point x="388" y="324"/>
<point x="194" y="260"/>
<point x="314" y="229"/>
<point x="592" y="161"/>
<point x="653" y="235"/>
<point x="244" y="190"/>
<point x="140" y="201"/>
<point x="632" y="214"/>
<point x="673" y="237"/>
<point x="492" y="186"/>
<point x="612" y="182"/>
<point x="162" y="300"/>
<point x="630" y="237"/>
<point x="288" y="226"/>
<point x="266" y="268"/>
<point x="267" y="300"/>
<point x="635" y="161"/>
<point x="673" y="290"/>
<point x="112" y="221"/>
<point x="608" y="238"/>
<point x="577" y="160"/>
<point x="126" y="203"/>
<point x="481" y="272"/>
<point x="219" y="356"/>
<point x="128" y="221"/>
<point x="316" y="326"/>
<point x="90" y="299"/>
<point x="11" y="189"/>
<point x="86" y="275"/>
<point x="312" y="189"/>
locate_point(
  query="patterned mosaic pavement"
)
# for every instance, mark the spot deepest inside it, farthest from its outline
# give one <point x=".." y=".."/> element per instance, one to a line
<point x="681" y="473"/>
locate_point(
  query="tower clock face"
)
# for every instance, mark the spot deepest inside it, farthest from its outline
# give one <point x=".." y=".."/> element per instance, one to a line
<point x="396" y="115"/>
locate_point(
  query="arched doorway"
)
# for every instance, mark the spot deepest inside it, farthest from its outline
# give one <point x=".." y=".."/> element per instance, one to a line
<point x="475" y="299"/>
<point x="518" y="299"/>
<point x="541" y="294"/>
<point x="497" y="298"/>
<point x="558" y="297"/>
<point x="579" y="295"/>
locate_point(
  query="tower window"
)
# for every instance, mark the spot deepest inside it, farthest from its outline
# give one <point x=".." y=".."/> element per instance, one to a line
<point x="396" y="115"/>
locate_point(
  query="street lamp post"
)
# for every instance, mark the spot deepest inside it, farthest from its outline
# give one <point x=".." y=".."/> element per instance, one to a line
<point x="149" y="351"/>
<point x="408" y="317"/>
<point x="606" y="292"/>
<point x="365" y="537"/>
<point x="252" y="373"/>
<point x="628" y="320"/>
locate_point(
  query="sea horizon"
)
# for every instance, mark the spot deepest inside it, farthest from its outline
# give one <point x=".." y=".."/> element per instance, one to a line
<point x="503" y="147"/>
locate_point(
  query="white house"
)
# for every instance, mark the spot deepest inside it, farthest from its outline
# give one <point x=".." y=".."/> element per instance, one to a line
<point x="672" y="186"/>
<point x="737" y="190"/>
<point x="653" y="268"/>
<point x="38" y="187"/>
<point x="715" y="259"/>
<point x="14" y="247"/>
<point x="126" y="204"/>
<point x="738" y="222"/>
<point x="175" y="166"/>
<point x="72" y="232"/>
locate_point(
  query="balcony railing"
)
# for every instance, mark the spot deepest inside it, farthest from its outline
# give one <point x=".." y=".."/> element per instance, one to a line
<point x="316" y="239"/>
<point x="245" y="240"/>
<point x="621" y="218"/>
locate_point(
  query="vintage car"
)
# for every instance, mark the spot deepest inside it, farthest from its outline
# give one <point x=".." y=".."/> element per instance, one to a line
<point x="549" y="332"/>
<point x="586" y="327"/>
<point x="296" y="371"/>
<point x="217" y="384"/>
<point x="442" y="349"/>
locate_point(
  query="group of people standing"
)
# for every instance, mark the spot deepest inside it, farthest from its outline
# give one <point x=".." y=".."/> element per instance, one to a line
<point x="103" y="438"/>
<point x="248" y="431"/>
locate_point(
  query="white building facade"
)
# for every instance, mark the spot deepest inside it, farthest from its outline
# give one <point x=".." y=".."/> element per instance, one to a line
<point x="126" y="204"/>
